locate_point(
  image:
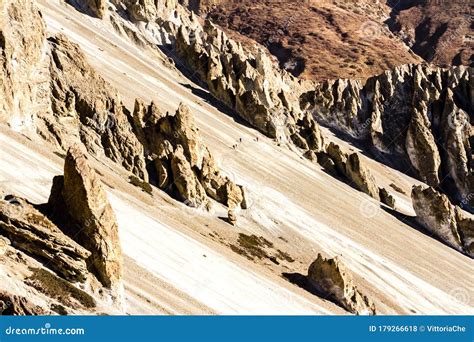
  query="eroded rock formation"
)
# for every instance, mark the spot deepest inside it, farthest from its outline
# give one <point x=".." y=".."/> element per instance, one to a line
<point x="332" y="278"/>
<point x="48" y="86"/>
<point x="387" y="198"/>
<point x="351" y="167"/>
<point x="439" y="216"/>
<point x="414" y="115"/>
<point x="74" y="235"/>
<point x="79" y="202"/>
<point x="81" y="94"/>
<point x="80" y="106"/>
<point x="251" y="85"/>
<point x="182" y="162"/>
<point x="23" y="62"/>
<point x="248" y="83"/>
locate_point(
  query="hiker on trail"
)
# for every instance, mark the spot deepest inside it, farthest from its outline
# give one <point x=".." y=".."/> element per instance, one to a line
<point x="240" y="140"/>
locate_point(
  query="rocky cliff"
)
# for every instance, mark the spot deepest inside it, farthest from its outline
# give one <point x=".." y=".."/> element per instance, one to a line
<point x="24" y="84"/>
<point x="86" y="107"/>
<point x="49" y="87"/>
<point x="81" y="107"/>
<point x="250" y="85"/>
<point x="416" y="115"/>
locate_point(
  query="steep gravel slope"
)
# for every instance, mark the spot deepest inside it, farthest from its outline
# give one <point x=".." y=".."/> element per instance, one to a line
<point x="187" y="255"/>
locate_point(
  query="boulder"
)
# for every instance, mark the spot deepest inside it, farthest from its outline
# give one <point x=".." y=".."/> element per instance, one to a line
<point x="234" y="195"/>
<point x="439" y="216"/>
<point x="79" y="202"/>
<point x="32" y="232"/>
<point x="331" y="278"/>
<point x="358" y="173"/>
<point x="353" y="170"/>
<point x="465" y="222"/>
<point x="387" y="198"/>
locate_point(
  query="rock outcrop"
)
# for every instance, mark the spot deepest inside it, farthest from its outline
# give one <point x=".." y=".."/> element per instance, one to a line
<point x="23" y="62"/>
<point x="30" y="231"/>
<point x="74" y="235"/>
<point x="414" y="115"/>
<point x="12" y="305"/>
<point x="79" y="203"/>
<point x="387" y="198"/>
<point x="352" y="169"/>
<point x="183" y="164"/>
<point x="80" y="106"/>
<point x="250" y="85"/>
<point x="47" y="86"/>
<point x="82" y="95"/>
<point x="449" y="223"/>
<point x="333" y="279"/>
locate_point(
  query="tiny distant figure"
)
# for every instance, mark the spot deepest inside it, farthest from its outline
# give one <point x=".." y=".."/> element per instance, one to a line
<point x="257" y="139"/>
<point x="240" y="140"/>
